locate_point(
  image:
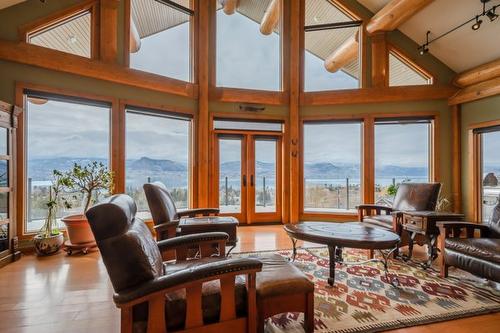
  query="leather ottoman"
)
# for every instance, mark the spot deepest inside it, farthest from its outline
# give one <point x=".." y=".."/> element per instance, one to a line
<point x="282" y="287"/>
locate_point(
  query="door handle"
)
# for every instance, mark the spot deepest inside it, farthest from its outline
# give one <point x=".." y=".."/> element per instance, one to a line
<point x="251" y="180"/>
<point x="244" y="180"/>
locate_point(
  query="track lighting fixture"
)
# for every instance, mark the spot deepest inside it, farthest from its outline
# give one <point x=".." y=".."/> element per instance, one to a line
<point x="489" y="13"/>
<point x="478" y="23"/>
<point x="492" y="15"/>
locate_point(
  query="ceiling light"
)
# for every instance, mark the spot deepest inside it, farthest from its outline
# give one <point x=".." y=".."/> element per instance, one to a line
<point x="492" y="15"/>
<point x="72" y="39"/>
<point x="477" y="25"/>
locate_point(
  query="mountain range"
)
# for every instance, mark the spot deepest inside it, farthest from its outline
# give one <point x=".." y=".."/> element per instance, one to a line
<point x="41" y="169"/>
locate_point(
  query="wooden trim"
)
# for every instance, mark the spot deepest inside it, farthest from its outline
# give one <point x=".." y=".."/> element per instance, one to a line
<point x="456" y="158"/>
<point x="410" y="62"/>
<point x="203" y="15"/>
<point x="476" y="91"/>
<point x="368" y="160"/>
<point x="377" y="95"/>
<point x="294" y="65"/>
<point x="68" y="63"/>
<point x="237" y="95"/>
<point x="127" y="16"/>
<point x="21" y="149"/>
<point x="43" y="23"/>
<point x="474" y="160"/>
<point x="109" y="30"/>
<point x="380" y="61"/>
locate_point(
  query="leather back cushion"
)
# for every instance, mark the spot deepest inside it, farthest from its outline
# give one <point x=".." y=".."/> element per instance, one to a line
<point x="495" y="221"/>
<point x="127" y="247"/>
<point x="161" y="204"/>
<point x="417" y="196"/>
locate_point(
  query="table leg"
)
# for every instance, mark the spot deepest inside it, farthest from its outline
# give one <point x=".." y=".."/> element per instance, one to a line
<point x="294" y="249"/>
<point x="338" y="254"/>
<point x="332" y="252"/>
<point x="431" y="250"/>
<point x="410" y="244"/>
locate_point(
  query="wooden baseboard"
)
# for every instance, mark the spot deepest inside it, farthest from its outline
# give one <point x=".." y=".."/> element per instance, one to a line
<point x="10" y="258"/>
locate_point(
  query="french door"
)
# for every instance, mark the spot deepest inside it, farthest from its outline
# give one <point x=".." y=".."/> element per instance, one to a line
<point x="247" y="176"/>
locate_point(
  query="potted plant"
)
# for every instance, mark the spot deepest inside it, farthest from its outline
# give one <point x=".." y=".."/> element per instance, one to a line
<point x="88" y="180"/>
<point x="50" y="239"/>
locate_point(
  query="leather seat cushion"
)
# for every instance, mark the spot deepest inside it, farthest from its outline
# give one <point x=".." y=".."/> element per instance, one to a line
<point x="384" y="221"/>
<point x="482" y="248"/>
<point x="280" y="277"/>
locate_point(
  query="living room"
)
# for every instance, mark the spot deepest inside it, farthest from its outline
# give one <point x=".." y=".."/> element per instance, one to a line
<point x="250" y="166"/>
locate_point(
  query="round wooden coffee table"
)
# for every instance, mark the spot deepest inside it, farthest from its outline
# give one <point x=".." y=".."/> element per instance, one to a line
<point x="339" y="235"/>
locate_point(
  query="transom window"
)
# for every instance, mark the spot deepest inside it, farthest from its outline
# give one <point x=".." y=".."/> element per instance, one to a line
<point x="160" y="37"/>
<point x="248" y="45"/>
<point x="332" y="48"/>
<point x="71" y="35"/>
<point x="404" y="73"/>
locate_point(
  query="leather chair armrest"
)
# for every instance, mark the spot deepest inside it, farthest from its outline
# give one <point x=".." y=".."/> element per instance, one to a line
<point x="198" y="212"/>
<point x="453" y="228"/>
<point x="166" y="230"/>
<point x="179" y="279"/>
<point x="366" y="209"/>
<point x="191" y="240"/>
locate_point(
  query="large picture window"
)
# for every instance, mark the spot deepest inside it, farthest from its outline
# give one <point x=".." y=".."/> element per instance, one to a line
<point x="60" y="131"/>
<point x="160" y="38"/>
<point x="332" y="166"/>
<point x="332" y="45"/>
<point x="157" y="149"/>
<point x="402" y="154"/>
<point x="248" y="45"/>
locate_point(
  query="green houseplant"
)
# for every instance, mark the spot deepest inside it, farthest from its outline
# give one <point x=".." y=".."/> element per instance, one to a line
<point x="50" y="239"/>
<point x="86" y="182"/>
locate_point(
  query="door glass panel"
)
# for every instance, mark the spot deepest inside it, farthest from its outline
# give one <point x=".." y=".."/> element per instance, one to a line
<point x="265" y="176"/>
<point x="490" y="173"/>
<point x="3" y="141"/>
<point x="4" y="173"/>
<point x="4" y="237"/>
<point x="4" y="205"/>
<point x="230" y="175"/>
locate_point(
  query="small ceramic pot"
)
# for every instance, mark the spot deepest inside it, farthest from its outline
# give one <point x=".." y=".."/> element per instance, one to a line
<point x="78" y="228"/>
<point x="45" y="246"/>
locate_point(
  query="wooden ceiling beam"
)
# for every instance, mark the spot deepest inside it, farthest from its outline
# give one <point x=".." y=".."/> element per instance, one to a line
<point x="271" y="17"/>
<point x="135" y="38"/>
<point x="42" y="57"/>
<point x="478" y="74"/>
<point x="394" y="14"/>
<point x="229" y="6"/>
<point x="476" y="91"/>
<point x="346" y="53"/>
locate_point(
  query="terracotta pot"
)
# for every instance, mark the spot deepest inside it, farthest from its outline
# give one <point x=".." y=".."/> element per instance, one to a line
<point x="78" y="229"/>
<point x="45" y="246"/>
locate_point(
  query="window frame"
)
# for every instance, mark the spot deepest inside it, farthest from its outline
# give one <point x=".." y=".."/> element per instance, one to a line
<point x="168" y="111"/>
<point x="363" y="64"/>
<point x="44" y="23"/>
<point x="404" y="58"/>
<point x="475" y="158"/>
<point x="21" y="148"/>
<point x="368" y="155"/>
<point x="193" y="45"/>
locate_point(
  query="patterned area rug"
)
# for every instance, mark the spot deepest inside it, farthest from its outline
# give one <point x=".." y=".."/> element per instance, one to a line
<point x="362" y="299"/>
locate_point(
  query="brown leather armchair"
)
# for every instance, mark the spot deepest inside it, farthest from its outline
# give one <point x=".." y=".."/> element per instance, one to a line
<point x="188" y="295"/>
<point x="477" y="255"/>
<point x="164" y="213"/>
<point x="409" y="197"/>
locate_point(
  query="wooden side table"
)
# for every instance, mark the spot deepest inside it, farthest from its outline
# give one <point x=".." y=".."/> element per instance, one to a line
<point x="424" y="223"/>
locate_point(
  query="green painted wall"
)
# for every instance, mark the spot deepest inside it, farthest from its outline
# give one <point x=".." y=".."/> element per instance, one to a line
<point x="472" y="113"/>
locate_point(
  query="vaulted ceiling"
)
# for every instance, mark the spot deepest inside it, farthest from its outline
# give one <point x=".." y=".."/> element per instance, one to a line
<point x="462" y="49"/>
